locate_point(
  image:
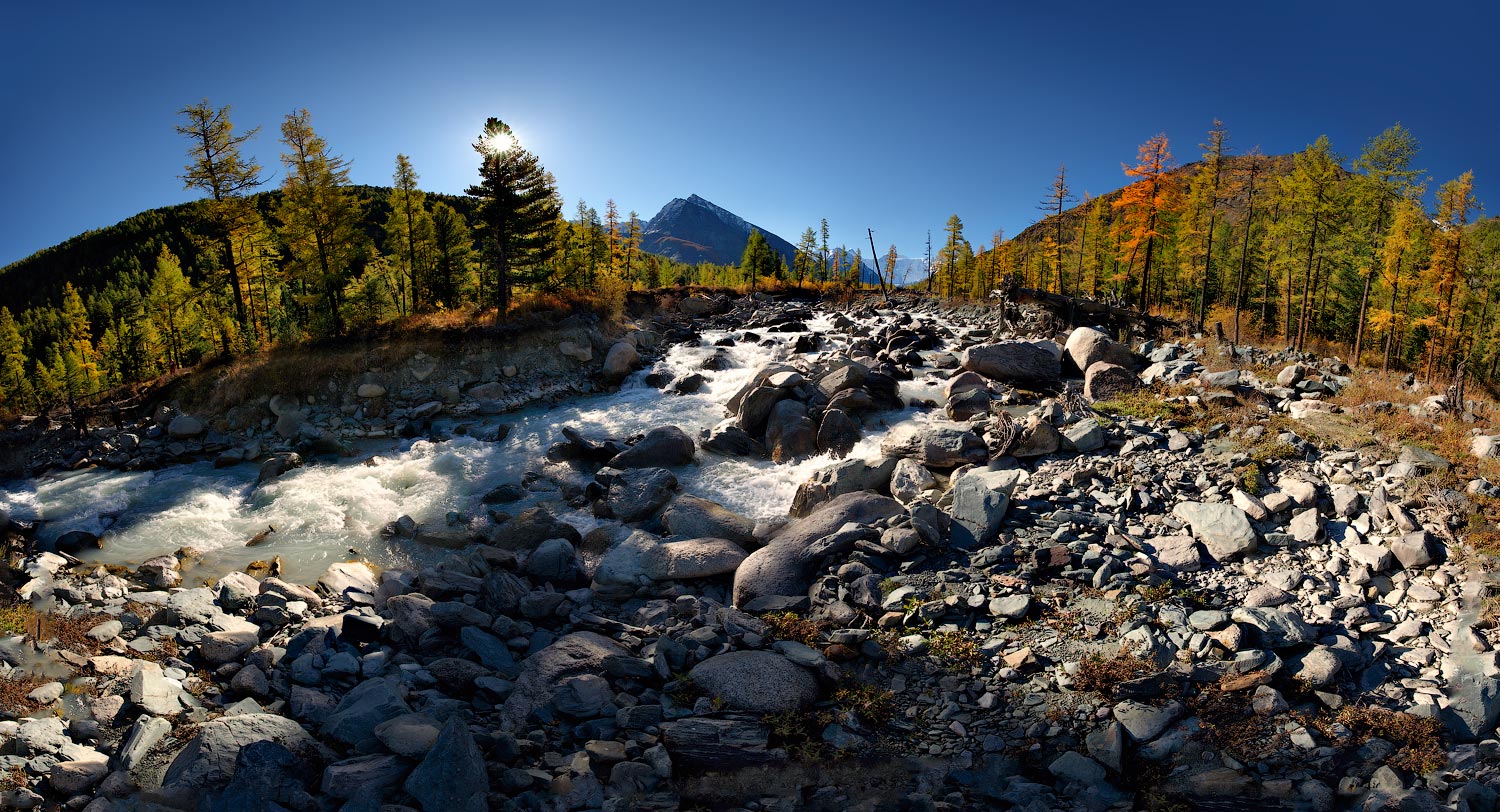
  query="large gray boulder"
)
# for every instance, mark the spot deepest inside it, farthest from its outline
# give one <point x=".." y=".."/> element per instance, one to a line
<point x="452" y="777"/>
<point x="354" y="720"/>
<point x="662" y="447"/>
<point x="1035" y="361"/>
<point x="620" y="361"/>
<point x="784" y="567"/>
<point x="209" y="759"/>
<point x="938" y="445"/>
<point x="980" y="499"/>
<point x="1104" y="381"/>
<point x="845" y="476"/>
<point x="694" y="558"/>
<point x="576" y="655"/>
<point x="1223" y="528"/>
<point x="1087" y="345"/>
<point x="694" y="517"/>
<point x="790" y="433"/>
<point x="758" y="681"/>
<point x="635" y="494"/>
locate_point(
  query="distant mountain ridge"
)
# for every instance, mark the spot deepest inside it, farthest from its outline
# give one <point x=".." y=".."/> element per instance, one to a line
<point x="695" y="230"/>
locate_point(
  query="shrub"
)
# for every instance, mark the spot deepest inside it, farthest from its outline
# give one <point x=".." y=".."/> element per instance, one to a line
<point x="1418" y="739"/>
<point x="874" y="706"/>
<point x="1100" y="676"/>
<point x="955" y="649"/>
<point x="791" y="626"/>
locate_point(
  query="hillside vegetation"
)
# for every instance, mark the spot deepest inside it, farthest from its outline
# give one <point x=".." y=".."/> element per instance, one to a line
<point x="1362" y="258"/>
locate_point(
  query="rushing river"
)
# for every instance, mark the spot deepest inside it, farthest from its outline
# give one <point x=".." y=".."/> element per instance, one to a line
<point x="328" y="512"/>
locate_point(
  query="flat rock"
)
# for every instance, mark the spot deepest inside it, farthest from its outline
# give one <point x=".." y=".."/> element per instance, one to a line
<point x="210" y="758"/>
<point x="693" y="558"/>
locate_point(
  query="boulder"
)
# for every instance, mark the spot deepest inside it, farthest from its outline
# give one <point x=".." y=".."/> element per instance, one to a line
<point x="1104" y="381"/>
<point x="210" y="758"/>
<point x="1038" y="440"/>
<point x="938" y="445"/>
<point x="662" y="447"/>
<point x="1031" y="361"/>
<point x="574" y="655"/>
<point x="790" y="433"/>
<point x="757" y="681"/>
<point x="694" y="558"/>
<point x="694" y="517"/>
<point x="532" y="527"/>
<point x="354" y="720"/>
<point x="784" y="567"/>
<point x="1224" y="529"/>
<point x="838" y="433"/>
<point x="635" y="494"/>
<point x="1087" y="346"/>
<point x="453" y="775"/>
<point x="555" y="561"/>
<point x="908" y="479"/>
<point x="846" y="476"/>
<point x="1084" y="436"/>
<point x="980" y="499"/>
<point x="185" y="427"/>
<point x="152" y="692"/>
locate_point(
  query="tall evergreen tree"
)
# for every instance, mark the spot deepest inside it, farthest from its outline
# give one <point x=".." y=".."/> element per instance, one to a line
<point x="320" y="218"/>
<point x="452" y="253"/>
<point x="408" y="237"/>
<point x="217" y="167"/>
<point x="518" y="204"/>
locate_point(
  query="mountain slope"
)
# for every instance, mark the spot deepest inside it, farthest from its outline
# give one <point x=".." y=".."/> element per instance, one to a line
<point x="694" y="230"/>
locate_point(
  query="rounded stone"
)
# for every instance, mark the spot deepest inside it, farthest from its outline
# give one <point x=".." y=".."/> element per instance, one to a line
<point x="759" y="681"/>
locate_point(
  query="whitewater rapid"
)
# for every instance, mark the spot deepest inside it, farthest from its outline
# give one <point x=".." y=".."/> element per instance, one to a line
<point x="329" y="512"/>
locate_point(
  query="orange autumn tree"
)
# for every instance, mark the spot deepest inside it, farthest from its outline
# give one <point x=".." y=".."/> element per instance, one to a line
<point x="1142" y="204"/>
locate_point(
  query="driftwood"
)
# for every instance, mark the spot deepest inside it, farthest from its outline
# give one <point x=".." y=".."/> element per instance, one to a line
<point x="1080" y="311"/>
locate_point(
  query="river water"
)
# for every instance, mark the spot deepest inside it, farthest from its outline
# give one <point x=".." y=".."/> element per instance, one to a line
<point x="328" y="512"/>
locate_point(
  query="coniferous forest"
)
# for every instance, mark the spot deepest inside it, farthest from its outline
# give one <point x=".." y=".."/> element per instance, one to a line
<point x="1359" y="255"/>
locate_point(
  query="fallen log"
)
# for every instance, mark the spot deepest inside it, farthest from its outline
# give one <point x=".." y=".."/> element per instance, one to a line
<point x="1079" y="311"/>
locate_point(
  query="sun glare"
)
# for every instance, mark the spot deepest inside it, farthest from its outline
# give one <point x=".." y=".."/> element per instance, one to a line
<point x="498" y="142"/>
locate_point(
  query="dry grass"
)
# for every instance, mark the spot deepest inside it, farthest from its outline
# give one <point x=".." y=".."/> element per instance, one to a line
<point x="1231" y="725"/>
<point x="874" y="706"/>
<point x="1100" y="676"/>
<point x="63" y="631"/>
<point x="792" y="626"/>
<point x="955" y="649"/>
<point x="1418" y="739"/>
<point x="13" y="691"/>
<point x="1142" y="404"/>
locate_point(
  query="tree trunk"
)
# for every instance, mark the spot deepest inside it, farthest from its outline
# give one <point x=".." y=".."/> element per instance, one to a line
<point x="1239" y="286"/>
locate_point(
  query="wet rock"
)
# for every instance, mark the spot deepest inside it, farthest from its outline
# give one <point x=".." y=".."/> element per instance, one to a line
<point x="662" y="447"/>
<point x="277" y="465"/>
<point x="790" y="434"/>
<point x="635" y="494"/>
<point x="555" y="561"/>
<point x="759" y="681"/>
<point x="730" y="440"/>
<point x="844" y="477"/>
<point x="837" y="434"/>
<point x="532" y="527"/>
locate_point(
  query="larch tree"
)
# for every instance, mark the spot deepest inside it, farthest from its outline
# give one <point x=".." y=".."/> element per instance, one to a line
<point x="804" y="263"/>
<point x="1057" y="198"/>
<point x="1211" y="173"/>
<point x="320" y="217"/>
<point x="217" y="166"/>
<point x="1312" y="192"/>
<point x="408" y="237"/>
<point x="952" y="252"/>
<point x="15" y="383"/>
<point x="168" y="304"/>
<point x="823" y="252"/>
<point x="1142" y="203"/>
<point x="632" y="246"/>
<point x="1253" y="166"/>
<point x="1449" y="264"/>
<point x="1386" y="174"/>
<point x="518" y="204"/>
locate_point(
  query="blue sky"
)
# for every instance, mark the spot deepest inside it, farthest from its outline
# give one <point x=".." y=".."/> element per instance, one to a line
<point x="883" y="115"/>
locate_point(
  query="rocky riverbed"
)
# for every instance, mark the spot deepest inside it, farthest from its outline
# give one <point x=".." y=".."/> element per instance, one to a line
<point x="999" y="576"/>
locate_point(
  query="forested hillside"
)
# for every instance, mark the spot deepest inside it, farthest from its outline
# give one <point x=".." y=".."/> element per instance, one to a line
<point x="1364" y="257"/>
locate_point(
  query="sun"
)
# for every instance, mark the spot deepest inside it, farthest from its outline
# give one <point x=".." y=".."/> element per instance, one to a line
<point x="497" y="142"/>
